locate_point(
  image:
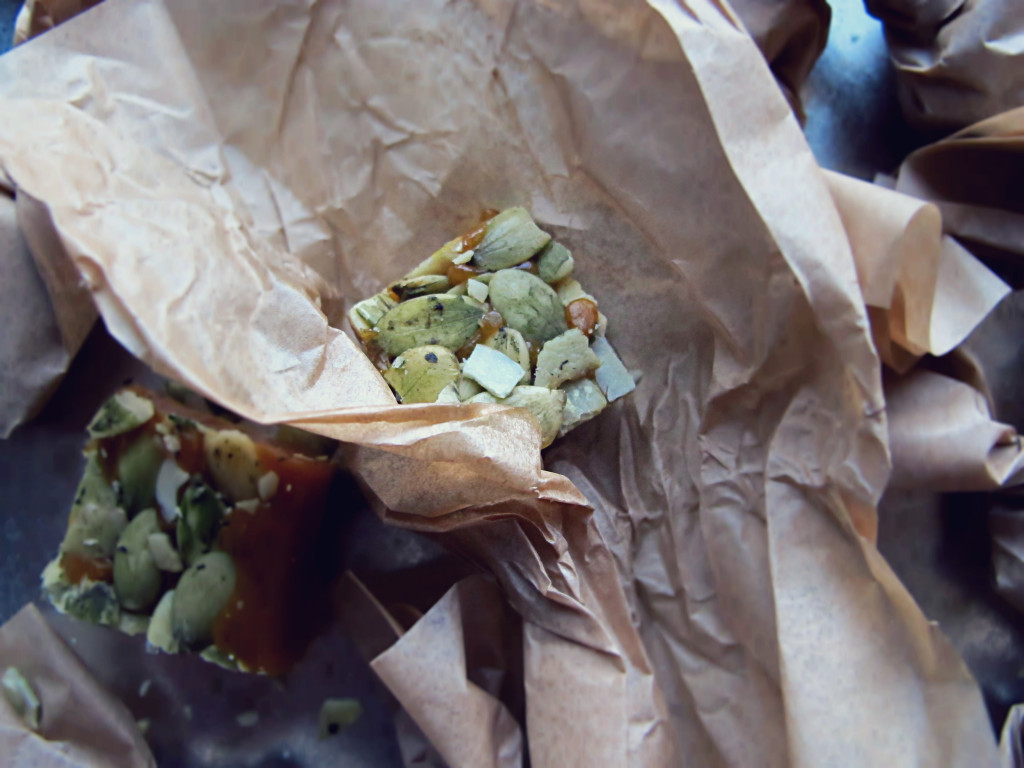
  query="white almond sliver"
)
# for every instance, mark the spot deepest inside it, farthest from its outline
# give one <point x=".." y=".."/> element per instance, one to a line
<point x="477" y="289"/>
<point x="612" y="377"/>
<point x="495" y="372"/>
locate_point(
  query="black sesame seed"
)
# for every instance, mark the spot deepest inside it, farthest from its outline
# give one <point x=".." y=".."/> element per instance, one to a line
<point x="200" y="566"/>
<point x="431" y="357"/>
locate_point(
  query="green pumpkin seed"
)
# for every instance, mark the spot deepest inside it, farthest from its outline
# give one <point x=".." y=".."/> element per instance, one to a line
<point x="527" y="304"/>
<point x="336" y="714"/>
<point x="202" y="512"/>
<point x="411" y="287"/>
<point x="439" y="261"/>
<point x="137" y="470"/>
<point x="419" y="374"/>
<point x="510" y="239"/>
<point x="22" y="697"/>
<point x="94" y="530"/>
<point x="121" y="413"/>
<point x="564" y="358"/>
<point x="554" y="263"/>
<point x="368" y="312"/>
<point x="233" y="463"/>
<point x="94" y="488"/>
<point x="94" y="602"/>
<point x="201" y="594"/>
<point x="136" y="576"/>
<point x="443" y="319"/>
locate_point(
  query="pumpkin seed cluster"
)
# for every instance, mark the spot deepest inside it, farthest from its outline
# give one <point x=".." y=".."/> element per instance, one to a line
<point x="496" y="316"/>
<point x="143" y="550"/>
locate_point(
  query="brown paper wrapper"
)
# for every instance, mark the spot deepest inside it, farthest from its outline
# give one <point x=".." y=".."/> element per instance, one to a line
<point x="37" y="16"/>
<point x="32" y="334"/>
<point x="972" y="177"/>
<point x="450" y="666"/>
<point x="957" y="61"/>
<point x="1011" y="744"/>
<point x="925" y="293"/>
<point x="791" y="34"/>
<point x="690" y="568"/>
<point x="82" y="724"/>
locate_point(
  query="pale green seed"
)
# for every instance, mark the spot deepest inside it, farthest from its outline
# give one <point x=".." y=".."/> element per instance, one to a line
<point x="510" y="239"/>
<point x="554" y="263"/>
<point x="419" y="374"/>
<point x="22" y="697"/>
<point x="201" y="594"/>
<point x="527" y="304"/>
<point x="121" y="413"/>
<point x="336" y="714"/>
<point x="202" y="512"/>
<point x="137" y="469"/>
<point x="136" y="576"/>
<point x="94" y="602"/>
<point x="411" y="287"/>
<point x="443" y="319"/>
<point x="96" y="521"/>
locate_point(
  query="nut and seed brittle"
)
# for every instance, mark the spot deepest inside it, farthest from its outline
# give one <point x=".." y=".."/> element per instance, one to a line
<point x="495" y="316"/>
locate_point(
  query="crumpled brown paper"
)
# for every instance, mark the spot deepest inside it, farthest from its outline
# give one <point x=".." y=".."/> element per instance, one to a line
<point x="692" y="582"/>
<point x="973" y="177"/>
<point x="1011" y="744"/>
<point x="37" y="16"/>
<point x="972" y="180"/>
<point x="37" y="345"/>
<point x="925" y="293"/>
<point x="957" y="61"/>
<point x="82" y="724"/>
<point x="471" y="628"/>
<point x="791" y="35"/>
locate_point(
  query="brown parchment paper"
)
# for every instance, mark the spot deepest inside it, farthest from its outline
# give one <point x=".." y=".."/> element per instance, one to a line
<point x="459" y="648"/>
<point x="791" y="34"/>
<point x="925" y="293"/>
<point x="36" y="343"/>
<point x="957" y="61"/>
<point x="688" y="570"/>
<point x="82" y="724"/>
<point x="37" y="16"/>
<point x="1011" y="744"/>
<point x="973" y="178"/>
